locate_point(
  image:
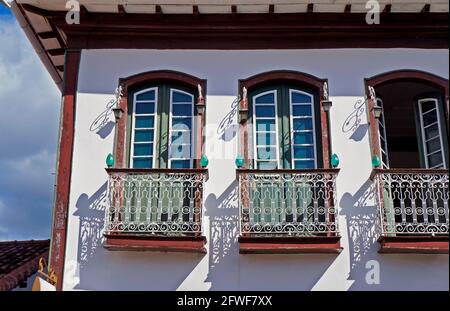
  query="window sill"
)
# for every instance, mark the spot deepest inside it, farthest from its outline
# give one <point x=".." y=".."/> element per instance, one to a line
<point x="289" y="245"/>
<point x="413" y="244"/>
<point x="126" y="242"/>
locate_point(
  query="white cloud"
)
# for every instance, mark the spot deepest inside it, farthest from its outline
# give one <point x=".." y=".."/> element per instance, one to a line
<point x="30" y="104"/>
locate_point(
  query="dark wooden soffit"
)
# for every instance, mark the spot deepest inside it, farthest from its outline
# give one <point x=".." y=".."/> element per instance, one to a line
<point x="251" y="31"/>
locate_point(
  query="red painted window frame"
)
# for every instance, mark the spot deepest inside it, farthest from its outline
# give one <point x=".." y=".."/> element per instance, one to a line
<point x="283" y="76"/>
<point x="156" y="77"/>
<point x="412" y="75"/>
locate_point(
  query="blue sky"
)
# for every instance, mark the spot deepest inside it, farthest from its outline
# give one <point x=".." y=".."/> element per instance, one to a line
<point x="29" y="103"/>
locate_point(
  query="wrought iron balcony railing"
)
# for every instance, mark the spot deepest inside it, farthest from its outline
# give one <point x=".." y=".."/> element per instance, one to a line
<point x="412" y="201"/>
<point x="286" y="203"/>
<point x="165" y="202"/>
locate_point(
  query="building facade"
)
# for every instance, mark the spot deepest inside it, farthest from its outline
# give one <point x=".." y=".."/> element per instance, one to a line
<point x="248" y="145"/>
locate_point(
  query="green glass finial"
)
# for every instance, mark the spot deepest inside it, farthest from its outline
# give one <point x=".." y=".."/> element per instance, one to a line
<point x="110" y="160"/>
<point x="334" y="160"/>
<point x="239" y="161"/>
<point x="376" y="162"/>
<point x="204" y="161"/>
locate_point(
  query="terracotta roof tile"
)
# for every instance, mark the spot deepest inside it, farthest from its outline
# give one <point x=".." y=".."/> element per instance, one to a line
<point x="19" y="260"/>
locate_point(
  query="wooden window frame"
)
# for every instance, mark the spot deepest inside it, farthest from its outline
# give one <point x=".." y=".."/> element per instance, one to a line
<point x="255" y="139"/>
<point x="296" y="77"/>
<point x="120" y="146"/>
<point x="398" y="75"/>
<point x="133" y="125"/>
<point x="422" y="131"/>
<point x="192" y="142"/>
<point x="291" y="122"/>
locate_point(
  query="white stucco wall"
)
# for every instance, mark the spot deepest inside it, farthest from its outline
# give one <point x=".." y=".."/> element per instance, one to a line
<point x="90" y="267"/>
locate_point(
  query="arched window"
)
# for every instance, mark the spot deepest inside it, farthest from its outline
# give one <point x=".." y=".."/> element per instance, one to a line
<point x="410" y="130"/>
<point x="165" y="120"/>
<point x="162" y="118"/>
<point x="286" y="125"/>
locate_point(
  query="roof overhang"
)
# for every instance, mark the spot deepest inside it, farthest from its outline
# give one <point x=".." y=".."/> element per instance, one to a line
<point x="227" y="24"/>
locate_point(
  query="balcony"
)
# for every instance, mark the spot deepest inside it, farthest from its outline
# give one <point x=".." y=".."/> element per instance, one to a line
<point x="288" y="211"/>
<point x="413" y="208"/>
<point x="155" y="209"/>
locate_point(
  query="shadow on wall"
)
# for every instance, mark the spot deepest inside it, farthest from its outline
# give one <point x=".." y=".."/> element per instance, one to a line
<point x="229" y="270"/>
<point x="228" y="128"/>
<point x="223" y="239"/>
<point x="103" y="125"/>
<point x="100" y="269"/>
<point x="352" y="123"/>
<point x="396" y="272"/>
<point x="362" y="232"/>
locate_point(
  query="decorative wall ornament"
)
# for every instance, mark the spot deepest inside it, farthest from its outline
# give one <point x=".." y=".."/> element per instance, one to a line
<point x="200" y="94"/>
<point x="46" y="272"/>
<point x="372" y="94"/>
<point x="103" y="119"/>
<point x="353" y="121"/>
<point x="118" y="94"/>
<point x="325" y="91"/>
<point x="244" y="94"/>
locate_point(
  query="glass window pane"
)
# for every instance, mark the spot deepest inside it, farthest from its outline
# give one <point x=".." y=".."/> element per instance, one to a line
<point x="182" y="123"/>
<point x="428" y="105"/>
<point x="430" y="118"/>
<point x="143" y="149"/>
<point x="181" y="137"/>
<point x="265" y="99"/>
<point x="181" y="164"/>
<point x="265" y="111"/>
<point x="146" y="96"/>
<point x="143" y="136"/>
<point x="142" y="162"/>
<point x="435" y="159"/>
<point x="298" y="98"/>
<point x="267" y="153"/>
<point x="145" y="122"/>
<point x="145" y="108"/>
<point x="182" y="110"/>
<point x="266" y="139"/>
<point x="431" y="131"/>
<point x="180" y="151"/>
<point x="302" y="124"/>
<point x="304" y="164"/>
<point x="303" y="152"/>
<point x="300" y="111"/>
<point x="303" y="138"/>
<point x="433" y="145"/>
<point x="265" y="125"/>
<point x="178" y="97"/>
<point x="266" y="165"/>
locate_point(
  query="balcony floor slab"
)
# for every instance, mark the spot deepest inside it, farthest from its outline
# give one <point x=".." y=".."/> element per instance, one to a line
<point x="289" y="245"/>
<point x="126" y="242"/>
<point x="414" y="244"/>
